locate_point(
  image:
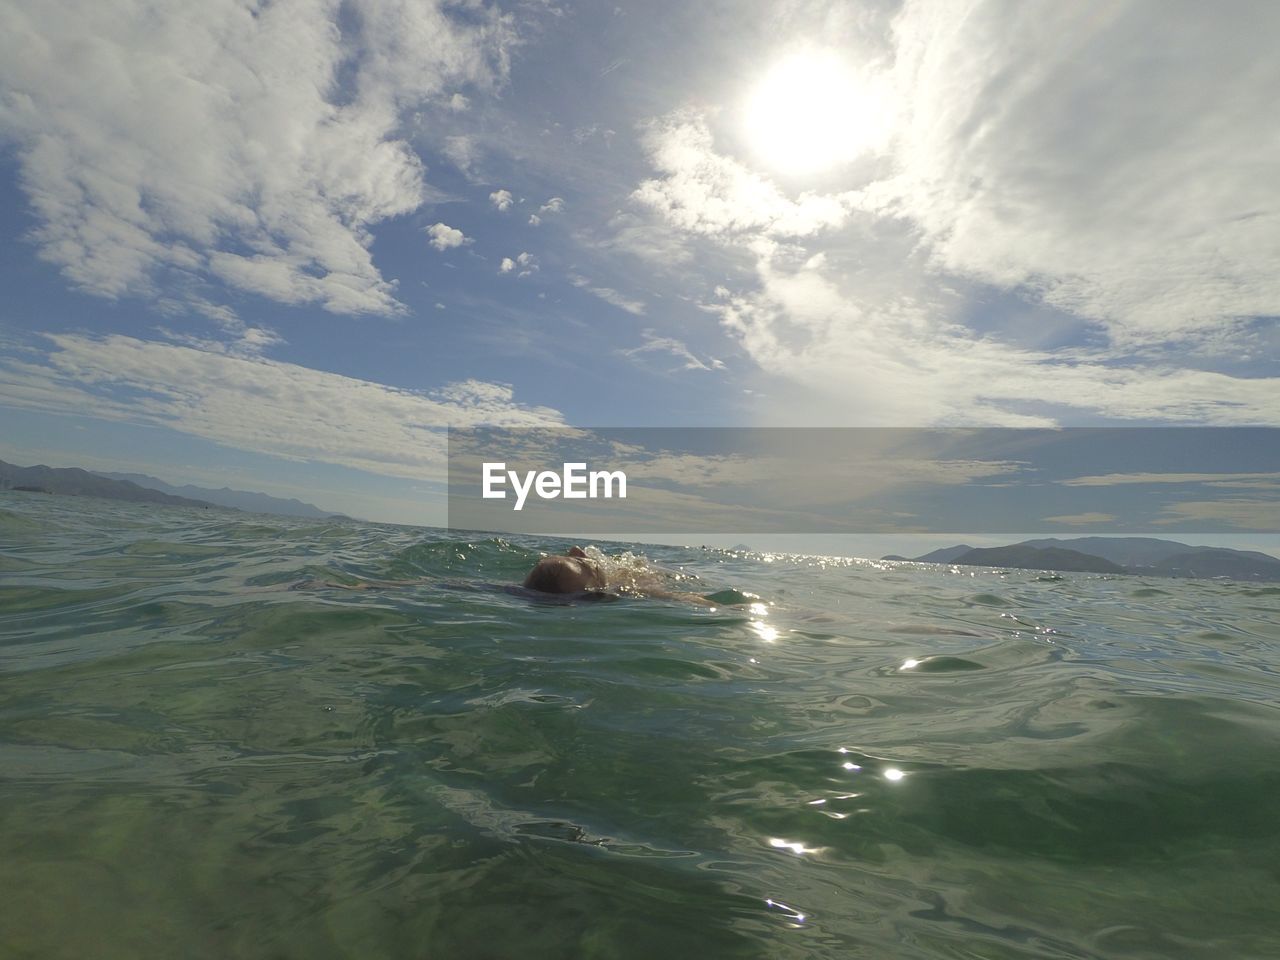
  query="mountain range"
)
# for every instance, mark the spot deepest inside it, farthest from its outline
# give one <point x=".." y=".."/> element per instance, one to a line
<point x="1143" y="556"/>
<point x="140" y="488"/>
<point x="72" y="481"/>
<point x="226" y="497"/>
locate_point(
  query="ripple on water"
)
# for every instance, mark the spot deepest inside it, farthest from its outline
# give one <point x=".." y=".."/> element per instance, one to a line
<point x="197" y="761"/>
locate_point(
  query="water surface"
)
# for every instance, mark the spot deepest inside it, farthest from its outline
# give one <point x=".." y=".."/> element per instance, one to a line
<point x="201" y="758"/>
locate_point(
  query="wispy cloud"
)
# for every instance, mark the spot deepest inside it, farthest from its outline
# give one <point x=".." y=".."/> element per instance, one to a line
<point x="859" y="476"/>
<point x="1209" y="479"/>
<point x="1127" y="191"/>
<point x="1150" y="234"/>
<point x="255" y="404"/>
<point x="609" y="295"/>
<point x="462" y="151"/>
<point x="1082" y="519"/>
<point x="1258" y="515"/>
<point x="655" y="344"/>
<point x="912" y="365"/>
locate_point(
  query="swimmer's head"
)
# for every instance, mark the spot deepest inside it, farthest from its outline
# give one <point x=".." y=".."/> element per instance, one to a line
<point x="569" y="574"/>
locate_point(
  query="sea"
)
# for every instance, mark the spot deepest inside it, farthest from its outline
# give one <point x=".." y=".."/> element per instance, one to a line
<point x="234" y="736"/>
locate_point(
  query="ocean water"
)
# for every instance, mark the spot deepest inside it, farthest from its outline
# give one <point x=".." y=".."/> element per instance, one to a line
<point x="208" y="749"/>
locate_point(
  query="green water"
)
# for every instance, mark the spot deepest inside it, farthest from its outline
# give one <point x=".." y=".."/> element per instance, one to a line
<point x="200" y="759"/>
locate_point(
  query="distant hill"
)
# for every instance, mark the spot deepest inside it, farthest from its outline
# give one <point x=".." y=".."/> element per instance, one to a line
<point x="1024" y="557"/>
<point x="945" y="555"/>
<point x="1236" y="564"/>
<point x="1144" y="556"/>
<point x="226" y="497"/>
<point x="74" y="482"/>
<point x="1137" y="552"/>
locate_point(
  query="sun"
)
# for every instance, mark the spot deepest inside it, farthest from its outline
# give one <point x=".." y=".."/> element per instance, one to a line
<point x="812" y="112"/>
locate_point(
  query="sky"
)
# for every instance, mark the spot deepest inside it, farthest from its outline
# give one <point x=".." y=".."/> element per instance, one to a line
<point x="281" y="245"/>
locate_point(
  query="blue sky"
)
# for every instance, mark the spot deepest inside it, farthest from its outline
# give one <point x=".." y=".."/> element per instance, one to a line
<point x="279" y="246"/>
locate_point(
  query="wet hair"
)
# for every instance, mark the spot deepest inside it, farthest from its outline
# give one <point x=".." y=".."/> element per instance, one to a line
<point x="564" y="575"/>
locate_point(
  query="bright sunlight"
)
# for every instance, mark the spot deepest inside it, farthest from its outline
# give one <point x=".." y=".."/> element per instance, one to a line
<point x="812" y="112"/>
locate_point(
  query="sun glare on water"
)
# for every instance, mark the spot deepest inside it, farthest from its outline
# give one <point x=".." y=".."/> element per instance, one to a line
<point x="812" y="112"/>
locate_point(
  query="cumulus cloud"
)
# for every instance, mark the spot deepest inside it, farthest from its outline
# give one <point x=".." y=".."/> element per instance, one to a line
<point x="256" y="146"/>
<point x="445" y="237"/>
<point x="250" y="403"/>
<point x="523" y="265"/>
<point x="502" y="199"/>
<point x="535" y="220"/>
<point x="554" y="205"/>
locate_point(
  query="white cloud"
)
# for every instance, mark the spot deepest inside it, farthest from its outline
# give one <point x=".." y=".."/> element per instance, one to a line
<point x="1046" y="155"/>
<point x="445" y="237"/>
<point x="609" y="295"/>
<point x="647" y="239"/>
<point x="459" y="104"/>
<point x="522" y="265"/>
<point x="704" y="192"/>
<point x="653" y="343"/>
<point x="1082" y="519"/>
<point x="239" y="340"/>
<point x="554" y="205"/>
<point x="1107" y="155"/>
<point x="253" y="146"/>
<point x="1212" y="479"/>
<point x="899" y="362"/>
<point x="591" y="131"/>
<point x="260" y="405"/>
<point x="847" y="473"/>
<point x="1244" y="514"/>
<point x="502" y="199"/>
<point x="461" y="152"/>
<point x="535" y="220"/>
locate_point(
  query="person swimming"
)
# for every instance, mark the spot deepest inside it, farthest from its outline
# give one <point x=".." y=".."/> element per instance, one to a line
<point x="580" y="574"/>
<point x="592" y="575"/>
<point x="575" y="572"/>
